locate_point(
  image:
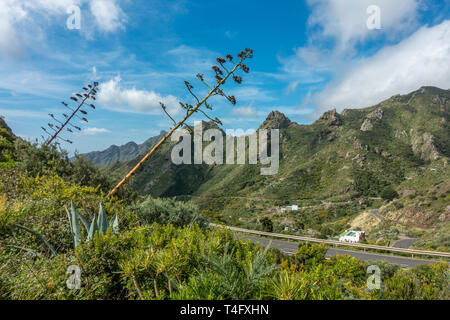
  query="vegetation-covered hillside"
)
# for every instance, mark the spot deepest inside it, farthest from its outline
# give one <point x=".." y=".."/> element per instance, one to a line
<point x="160" y="249"/>
<point x="383" y="169"/>
<point x="126" y="152"/>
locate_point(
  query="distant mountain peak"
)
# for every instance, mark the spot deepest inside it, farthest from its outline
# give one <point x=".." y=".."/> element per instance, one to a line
<point x="123" y="153"/>
<point x="331" y="117"/>
<point x="276" y="120"/>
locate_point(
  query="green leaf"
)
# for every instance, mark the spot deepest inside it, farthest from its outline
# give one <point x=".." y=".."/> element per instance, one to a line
<point x="102" y="220"/>
<point x="114" y="224"/>
<point x="92" y="230"/>
<point x="91" y="216"/>
<point x="75" y="225"/>
<point x="68" y="217"/>
<point x="86" y="223"/>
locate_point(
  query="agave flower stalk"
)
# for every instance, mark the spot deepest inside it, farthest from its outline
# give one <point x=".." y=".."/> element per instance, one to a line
<point x="90" y="92"/>
<point x="190" y="110"/>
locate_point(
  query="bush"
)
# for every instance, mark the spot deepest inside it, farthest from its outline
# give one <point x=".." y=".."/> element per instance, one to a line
<point x="164" y="211"/>
<point x="424" y="282"/>
<point x="226" y="277"/>
<point x="152" y="262"/>
<point x="389" y="193"/>
<point x="310" y="254"/>
<point x="266" y="224"/>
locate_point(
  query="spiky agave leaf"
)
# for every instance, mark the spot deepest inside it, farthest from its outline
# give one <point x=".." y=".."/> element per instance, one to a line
<point x="92" y="230"/>
<point x="114" y="225"/>
<point x="75" y="225"/>
<point x="102" y="220"/>
<point x="86" y="223"/>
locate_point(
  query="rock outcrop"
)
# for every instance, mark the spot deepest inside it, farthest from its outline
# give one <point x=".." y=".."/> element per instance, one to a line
<point x="276" y="120"/>
<point x="423" y="146"/>
<point x="371" y="119"/>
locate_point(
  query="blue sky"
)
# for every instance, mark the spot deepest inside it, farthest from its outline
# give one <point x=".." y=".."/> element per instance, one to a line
<point x="310" y="56"/>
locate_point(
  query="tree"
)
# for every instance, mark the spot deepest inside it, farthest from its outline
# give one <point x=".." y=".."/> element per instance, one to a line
<point x="267" y="224"/>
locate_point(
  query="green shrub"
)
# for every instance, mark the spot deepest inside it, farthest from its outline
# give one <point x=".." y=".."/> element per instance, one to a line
<point x="164" y="211"/>
<point x="226" y="277"/>
<point x="389" y="193"/>
<point x="266" y="224"/>
<point x="310" y="254"/>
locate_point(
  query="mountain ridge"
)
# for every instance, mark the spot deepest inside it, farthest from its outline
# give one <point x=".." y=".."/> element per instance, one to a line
<point x="337" y="170"/>
<point x="123" y="153"/>
<point x="348" y="158"/>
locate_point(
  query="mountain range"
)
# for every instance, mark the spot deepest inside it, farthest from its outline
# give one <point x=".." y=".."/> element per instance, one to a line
<point x="382" y="169"/>
<point x="339" y="165"/>
<point x="126" y="152"/>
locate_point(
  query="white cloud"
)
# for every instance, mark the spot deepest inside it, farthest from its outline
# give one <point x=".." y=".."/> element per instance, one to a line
<point x="231" y="34"/>
<point x="10" y="14"/>
<point x="108" y="15"/>
<point x="244" y="111"/>
<point x="345" y="20"/>
<point x="292" y="86"/>
<point x="114" y="97"/>
<point x="422" y="59"/>
<point x="22" y="22"/>
<point x="94" y="131"/>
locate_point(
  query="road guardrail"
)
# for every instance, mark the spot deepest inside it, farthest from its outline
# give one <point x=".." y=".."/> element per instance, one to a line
<point x="337" y="243"/>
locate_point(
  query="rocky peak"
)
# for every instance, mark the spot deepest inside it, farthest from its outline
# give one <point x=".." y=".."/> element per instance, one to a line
<point x="331" y="117"/>
<point x="276" y="120"/>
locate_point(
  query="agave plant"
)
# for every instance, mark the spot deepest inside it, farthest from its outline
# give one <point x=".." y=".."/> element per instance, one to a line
<point x="96" y="226"/>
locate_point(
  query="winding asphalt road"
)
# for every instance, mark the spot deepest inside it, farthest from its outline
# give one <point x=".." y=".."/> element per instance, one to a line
<point x="290" y="247"/>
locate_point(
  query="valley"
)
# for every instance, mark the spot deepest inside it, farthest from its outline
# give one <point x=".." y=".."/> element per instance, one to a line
<point x="335" y="170"/>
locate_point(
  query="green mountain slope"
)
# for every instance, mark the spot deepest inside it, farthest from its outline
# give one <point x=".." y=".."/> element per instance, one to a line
<point x="335" y="169"/>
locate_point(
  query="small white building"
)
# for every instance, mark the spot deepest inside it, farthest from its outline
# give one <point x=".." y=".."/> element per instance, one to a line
<point x="352" y="236"/>
<point x="294" y="207"/>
